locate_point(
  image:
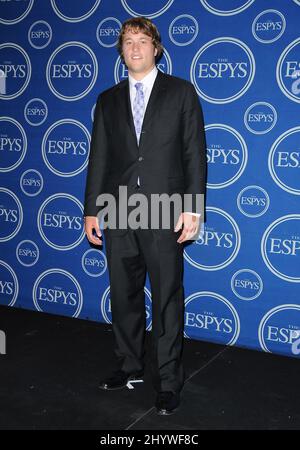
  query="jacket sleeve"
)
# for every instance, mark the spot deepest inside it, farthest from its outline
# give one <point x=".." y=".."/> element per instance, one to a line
<point x="194" y="151"/>
<point x="98" y="160"/>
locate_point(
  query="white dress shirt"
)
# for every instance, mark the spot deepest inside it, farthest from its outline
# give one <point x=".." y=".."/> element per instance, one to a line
<point x="148" y="82"/>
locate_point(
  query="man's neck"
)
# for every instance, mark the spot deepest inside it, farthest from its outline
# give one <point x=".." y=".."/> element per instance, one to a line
<point x="140" y="76"/>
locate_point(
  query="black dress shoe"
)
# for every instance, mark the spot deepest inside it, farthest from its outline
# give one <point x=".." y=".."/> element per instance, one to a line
<point x="167" y="402"/>
<point x="119" y="380"/>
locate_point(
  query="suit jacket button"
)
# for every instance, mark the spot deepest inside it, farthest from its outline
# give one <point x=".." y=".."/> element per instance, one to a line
<point x="141" y="158"/>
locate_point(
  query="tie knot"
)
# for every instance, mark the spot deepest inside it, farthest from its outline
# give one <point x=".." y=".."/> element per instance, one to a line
<point x="139" y="87"/>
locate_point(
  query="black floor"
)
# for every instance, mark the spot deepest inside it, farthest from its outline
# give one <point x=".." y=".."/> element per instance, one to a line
<point x="50" y="373"/>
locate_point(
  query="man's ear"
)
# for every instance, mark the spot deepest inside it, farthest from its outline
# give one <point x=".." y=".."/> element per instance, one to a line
<point x="155" y="52"/>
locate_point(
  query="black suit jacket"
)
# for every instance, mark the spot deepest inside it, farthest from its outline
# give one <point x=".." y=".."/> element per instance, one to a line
<point x="171" y="155"/>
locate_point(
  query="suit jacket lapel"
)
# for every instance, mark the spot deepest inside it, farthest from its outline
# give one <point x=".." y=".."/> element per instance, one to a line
<point x="155" y="99"/>
<point x="123" y="101"/>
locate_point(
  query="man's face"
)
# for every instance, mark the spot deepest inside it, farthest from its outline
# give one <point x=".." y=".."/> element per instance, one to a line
<point x="139" y="53"/>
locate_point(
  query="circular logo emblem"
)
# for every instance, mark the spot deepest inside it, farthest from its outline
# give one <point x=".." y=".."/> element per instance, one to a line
<point x="288" y="72"/>
<point x="60" y="221"/>
<point x="74" y="11"/>
<point x="219" y="243"/>
<point x="227" y="8"/>
<point x="183" y="30"/>
<point x="9" y="285"/>
<point x="108" y="32"/>
<point x="15" y="72"/>
<point x="253" y="201"/>
<point x="146" y="9"/>
<point x="279" y="329"/>
<point x="284" y="161"/>
<point x="13" y="144"/>
<point x="211" y="317"/>
<point x="246" y="284"/>
<point x="280" y="247"/>
<point x="11" y="214"/>
<point x="72" y="71"/>
<point x="268" y="26"/>
<point x="225" y="66"/>
<point x="35" y="112"/>
<point x="14" y="12"/>
<point x="27" y="253"/>
<point x="260" y="118"/>
<point x="66" y="139"/>
<point x="94" y="262"/>
<point x="227" y="155"/>
<point x="56" y="291"/>
<point x="31" y="182"/>
<point x="40" y="34"/>
<point x="106" y="307"/>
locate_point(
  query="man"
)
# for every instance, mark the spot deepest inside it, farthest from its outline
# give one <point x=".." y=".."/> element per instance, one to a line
<point x="148" y="135"/>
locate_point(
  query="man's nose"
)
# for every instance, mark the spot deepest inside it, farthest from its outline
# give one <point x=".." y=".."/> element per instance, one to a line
<point x="136" y="45"/>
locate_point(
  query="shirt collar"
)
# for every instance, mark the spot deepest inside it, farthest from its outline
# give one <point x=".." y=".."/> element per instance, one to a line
<point x="147" y="81"/>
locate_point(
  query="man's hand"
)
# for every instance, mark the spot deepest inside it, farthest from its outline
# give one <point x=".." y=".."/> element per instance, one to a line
<point x="190" y="226"/>
<point x="91" y="223"/>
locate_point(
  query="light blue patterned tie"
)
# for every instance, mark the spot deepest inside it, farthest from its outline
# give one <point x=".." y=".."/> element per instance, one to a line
<point x="138" y="109"/>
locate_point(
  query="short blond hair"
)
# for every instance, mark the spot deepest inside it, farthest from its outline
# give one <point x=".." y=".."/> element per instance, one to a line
<point x="143" y="25"/>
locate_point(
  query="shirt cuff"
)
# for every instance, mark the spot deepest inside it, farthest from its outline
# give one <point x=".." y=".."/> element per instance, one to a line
<point x="194" y="214"/>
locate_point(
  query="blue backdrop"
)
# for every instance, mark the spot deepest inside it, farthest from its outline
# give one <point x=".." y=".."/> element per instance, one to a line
<point x="242" y="276"/>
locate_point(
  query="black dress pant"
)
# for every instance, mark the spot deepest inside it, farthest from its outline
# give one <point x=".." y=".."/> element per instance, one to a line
<point x="130" y="255"/>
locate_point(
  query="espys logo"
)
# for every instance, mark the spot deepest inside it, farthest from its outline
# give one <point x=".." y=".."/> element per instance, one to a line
<point x="227" y="155"/>
<point x="15" y="71"/>
<point x="280" y="248"/>
<point x="219" y="244"/>
<point x="60" y="221"/>
<point x="211" y="317"/>
<point x="72" y="71"/>
<point x="13" y="144"/>
<point x="121" y="71"/>
<point x="56" y="291"/>
<point x="74" y="11"/>
<point x="40" y="34"/>
<point x="147" y="9"/>
<point x="297" y="2"/>
<point x="268" y="26"/>
<point x="222" y="70"/>
<point x="108" y="32"/>
<point x="31" y="182"/>
<point x="106" y="307"/>
<point x="65" y="147"/>
<point x="9" y="285"/>
<point x="11" y="215"/>
<point x="284" y="161"/>
<point x="94" y="262"/>
<point x="35" y="112"/>
<point x="27" y="253"/>
<point x="227" y="8"/>
<point x="14" y="11"/>
<point x="253" y="201"/>
<point x="279" y="329"/>
<point x="246" y="284"/>
<point x="288" y="71"/>
<point x="183" y="30"/>
<point x="260" y="118"/>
